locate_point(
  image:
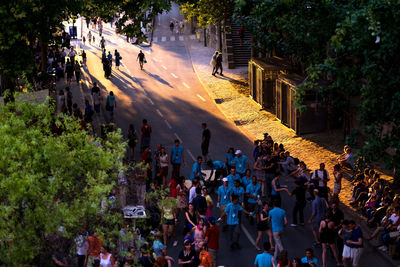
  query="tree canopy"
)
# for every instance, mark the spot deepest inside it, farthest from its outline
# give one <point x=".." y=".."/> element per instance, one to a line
<point x="354" y="45"/>
<point x="49" y="180"/>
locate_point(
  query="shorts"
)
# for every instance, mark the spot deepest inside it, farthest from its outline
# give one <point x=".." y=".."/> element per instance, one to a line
<point x="262" y="227"/>
<point x="214" y="254"/>
<point x="168" y="222"/>
<point x="315" y="225"/>
<point x="347" y="252"/>
<point x="356" y="254"/>
<point x="222" y="208"/>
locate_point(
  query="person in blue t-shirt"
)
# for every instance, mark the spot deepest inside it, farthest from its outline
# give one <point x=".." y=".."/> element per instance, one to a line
<point x="218" y="166"/>
<point x="246" y="179"/>
<point x="238" y="190"/>
<point x="224" y="195"/>
<point x="177" y="159"/>
<point x="277" y="217"/>
<point x="196" y="169"/>
<point x="310" y="257"/>
<point x="241" y="163"/>
<point x="233" y="177"/>
<point x="253" y="191"/>
<point x="229" y="158"/>
<point x="232" y="212"/>
<point x="265" y="259"/>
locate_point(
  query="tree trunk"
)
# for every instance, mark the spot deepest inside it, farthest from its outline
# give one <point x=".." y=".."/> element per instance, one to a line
<point x="44" y="47"/>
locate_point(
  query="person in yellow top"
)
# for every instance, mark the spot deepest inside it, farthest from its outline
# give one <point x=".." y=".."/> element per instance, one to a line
<point x="204" y="256"/>
<point x="209" y="201"/>
<point x="168" y="218"/>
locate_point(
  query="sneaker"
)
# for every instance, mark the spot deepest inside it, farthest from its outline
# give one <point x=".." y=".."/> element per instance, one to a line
<point x="293" y="225"/>
<point x="175" y="243"/>
<point x="382" y="248"/>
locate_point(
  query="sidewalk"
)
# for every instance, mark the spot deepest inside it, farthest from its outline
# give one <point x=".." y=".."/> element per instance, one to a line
<point x="254" y="122"/>
<point x="82" y="91"/>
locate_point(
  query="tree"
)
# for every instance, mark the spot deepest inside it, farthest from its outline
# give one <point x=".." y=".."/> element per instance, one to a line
<point x="50" y="179"/>
<point x="365" y="67"/>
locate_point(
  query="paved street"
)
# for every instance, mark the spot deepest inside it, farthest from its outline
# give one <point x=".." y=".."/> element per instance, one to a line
<point x="168" y="94"/>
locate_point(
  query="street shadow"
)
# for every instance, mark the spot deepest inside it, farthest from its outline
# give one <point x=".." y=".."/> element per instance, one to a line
<point x="234" y="81"/>
<point x="158" y="78"/>
<point x="138" y="81"/>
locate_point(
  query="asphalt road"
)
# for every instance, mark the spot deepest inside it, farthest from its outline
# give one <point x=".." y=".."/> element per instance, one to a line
<point x="168" y="94"/>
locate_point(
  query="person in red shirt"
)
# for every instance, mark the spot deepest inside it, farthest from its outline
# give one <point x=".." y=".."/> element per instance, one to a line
<point x="146" y="135"/>
<point x="172" y="185"/>
<point x="93" y="249"/>
<point x="212" y="238"/>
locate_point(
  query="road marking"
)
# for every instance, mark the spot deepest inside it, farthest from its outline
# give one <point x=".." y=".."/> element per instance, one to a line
<point x="251" y="239"/>
<point x="181" y="38"/>
<point x="177" y="137"/>
<point x="163" y="39"/>
<point x="87" y="83"/>
<point x="173" y="75"/>
<point x="199" y="96"/>
<point x="156" y="59"/>
<point x="192" y="37"/>
<point x="172" y="38"/>
<point x="151" y="101"/>
<point x="126" y="68"/>
<point x="191" y="155"/>
<point x="163" y="67"/>
<point x="148" y="52"/>
<point x="159" y="113"/>
<point x="185" y="84"/>
<point x="167" y="123"/>
<point x="155" y="39"/>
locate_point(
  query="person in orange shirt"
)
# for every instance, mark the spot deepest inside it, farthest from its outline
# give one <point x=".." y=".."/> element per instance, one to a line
<point x="205" y="257"/>
<point x="93" y="249"/>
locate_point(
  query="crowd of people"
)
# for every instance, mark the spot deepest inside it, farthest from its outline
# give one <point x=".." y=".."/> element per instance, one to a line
<point x="243" y="191"/>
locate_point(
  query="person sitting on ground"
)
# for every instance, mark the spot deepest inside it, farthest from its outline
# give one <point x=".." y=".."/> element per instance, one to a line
<point x="347" y="158"/>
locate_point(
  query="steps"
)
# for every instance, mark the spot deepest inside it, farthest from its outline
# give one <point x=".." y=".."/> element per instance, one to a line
<point x="241" y="53"/>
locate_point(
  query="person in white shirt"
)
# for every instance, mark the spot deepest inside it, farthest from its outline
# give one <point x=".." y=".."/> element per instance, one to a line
<point x="192" y="191"/>
<point x="320" y="178"/>
<point x="80" y="243"/>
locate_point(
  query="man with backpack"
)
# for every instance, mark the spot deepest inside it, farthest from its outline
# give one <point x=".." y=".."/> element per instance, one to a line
<point x="320" y="179"/>
<point x="146" y="135"/>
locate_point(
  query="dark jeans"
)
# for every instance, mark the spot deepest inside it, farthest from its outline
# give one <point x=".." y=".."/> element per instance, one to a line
<point x="176" y="170"/>
<point x="234" y="233"/>
<point x="298" y="208"/>
<point x="81" y="260"/>
<point x="218" y="66"/>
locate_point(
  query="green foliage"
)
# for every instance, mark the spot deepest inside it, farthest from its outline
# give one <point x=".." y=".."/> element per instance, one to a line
<point x="208" y="11"/>
<point x="49" y="181"/>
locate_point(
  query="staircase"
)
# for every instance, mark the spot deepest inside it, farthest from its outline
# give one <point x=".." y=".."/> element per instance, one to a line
<point x="241" y="53"/>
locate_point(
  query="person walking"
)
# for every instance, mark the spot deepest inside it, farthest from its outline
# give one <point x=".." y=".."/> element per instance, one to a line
<point x="77" y="70"/>
<point x="111" y="103"/>
<point x="224" y="193"/>
<point x="96" y="96"/>
<point x="213" y="62"/>
<point x="320" y="178"/>
<point x="277" y="217"/>
<point x="164" y="162"/>
<point x="69" y="70"/>
<point x="218" y="65"/>
<point x="142" y="59"/>
<point x="61" y="107"/>
<point x="102" y="43"/>
<point x="263" y="226"/>
<point x="265" y="259"/>
<point x="171" y="26"/>
<point x="212" y="240"/>
<point x="232" y="213"/>
<point x="205" y="141"/>
<point x="327" y="233"/>
<point x="337" y="185"/>
<point x="319" y="208"/>
<point x="300" y="193"/>
<point x="356" y="243"/>
<point x="177" y="158"/>
<point x="117" y="59"/>
<point x="89" y="36"/>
